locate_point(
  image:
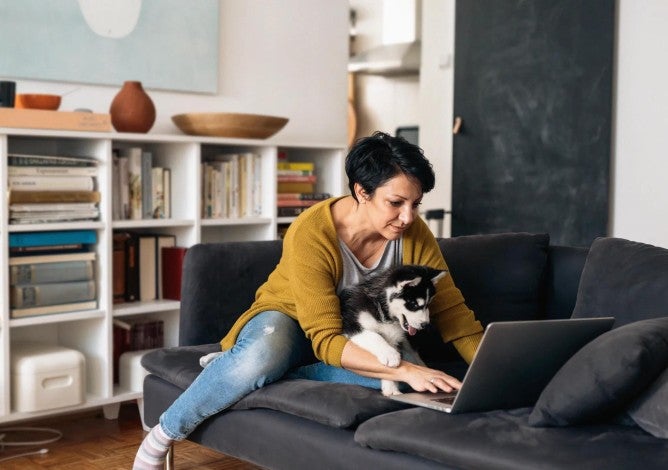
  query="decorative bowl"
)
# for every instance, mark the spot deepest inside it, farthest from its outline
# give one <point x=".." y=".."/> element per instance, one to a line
<point x="37" y="101"/>
<point x="246" y="126"/>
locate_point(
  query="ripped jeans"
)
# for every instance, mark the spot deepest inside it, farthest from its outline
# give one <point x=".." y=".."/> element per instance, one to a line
<point x="269" y="346"/>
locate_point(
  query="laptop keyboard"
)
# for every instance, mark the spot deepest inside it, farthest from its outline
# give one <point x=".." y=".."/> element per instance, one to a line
<point x="447" y="399"/>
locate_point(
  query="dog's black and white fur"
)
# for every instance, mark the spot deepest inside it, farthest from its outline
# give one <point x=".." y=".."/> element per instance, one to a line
<point x="382" y="309"/>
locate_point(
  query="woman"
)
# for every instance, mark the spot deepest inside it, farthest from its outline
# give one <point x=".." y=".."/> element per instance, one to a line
<point x="296" y="311"/>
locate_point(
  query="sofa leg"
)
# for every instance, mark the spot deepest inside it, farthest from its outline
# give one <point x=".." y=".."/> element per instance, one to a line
<point x="169" y="460"/>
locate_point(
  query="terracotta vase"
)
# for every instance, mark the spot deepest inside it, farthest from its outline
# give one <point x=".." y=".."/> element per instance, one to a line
<point x="132" y="110"/>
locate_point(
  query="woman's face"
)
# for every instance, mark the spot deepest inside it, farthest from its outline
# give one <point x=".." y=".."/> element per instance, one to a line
<point x="394" y="206"/>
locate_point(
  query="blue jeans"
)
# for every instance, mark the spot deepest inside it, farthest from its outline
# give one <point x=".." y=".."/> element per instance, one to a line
<point x="269" y="346"/>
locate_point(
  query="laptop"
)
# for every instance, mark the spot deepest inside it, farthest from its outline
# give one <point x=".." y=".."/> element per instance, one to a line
<point x="514" y="362"/>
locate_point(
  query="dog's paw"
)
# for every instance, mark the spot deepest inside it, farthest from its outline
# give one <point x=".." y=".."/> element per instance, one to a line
<point x="389" y="357"/>
<point x="388" y="388"/>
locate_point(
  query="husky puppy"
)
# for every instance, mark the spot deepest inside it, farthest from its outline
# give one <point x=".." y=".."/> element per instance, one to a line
<point x="378" y="312"/>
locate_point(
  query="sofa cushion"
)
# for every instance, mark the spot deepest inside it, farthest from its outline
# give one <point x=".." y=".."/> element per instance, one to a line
<point x="605" y="375"/>
<point x="178" y="365"/>
<point x="650" y="409"/>
<point x="501" y="276"/>
<point x="332" y="404"/>
<point x="504" y="440"/>
<point x="623" y="279"/>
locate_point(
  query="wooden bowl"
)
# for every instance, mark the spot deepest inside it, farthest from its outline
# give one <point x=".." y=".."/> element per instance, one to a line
<point x="37" y="101"/>
<point x="245" y="126"/>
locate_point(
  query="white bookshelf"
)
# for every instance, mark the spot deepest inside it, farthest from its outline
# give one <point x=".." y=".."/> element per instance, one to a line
<point x="90" y="331"/>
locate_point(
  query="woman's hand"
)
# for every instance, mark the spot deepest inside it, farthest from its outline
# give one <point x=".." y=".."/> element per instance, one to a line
<point x="420" y="378"/>
<point x="423" y="379"/>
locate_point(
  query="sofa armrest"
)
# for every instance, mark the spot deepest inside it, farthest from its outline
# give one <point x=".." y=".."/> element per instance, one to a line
<point x="219" y="283"/>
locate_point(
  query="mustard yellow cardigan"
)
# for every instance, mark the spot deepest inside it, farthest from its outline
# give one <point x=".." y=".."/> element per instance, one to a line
<point x="303" y="286"/>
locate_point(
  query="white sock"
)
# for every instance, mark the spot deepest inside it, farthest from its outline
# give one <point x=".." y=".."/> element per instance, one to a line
<point x="153" y="450"/>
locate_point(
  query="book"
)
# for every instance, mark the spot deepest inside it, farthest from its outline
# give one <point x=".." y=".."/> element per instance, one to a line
<point x="158" y="192"/>
<point x="37" y="295"/>
<point x="60" y="120"/>
<point x="17" y="197"/>
<point x="304" y="196"/>
<point x="162" y="242"/>
<point x="121" y="331"/>
<point x="52" y="258"/>
<point x="52" y="238"/>
<point x="20" y="251"/>
<point x="118" y="260"/>
<point x="172" y="269"/>
<point x="51" y="183"/>
<point x="295" y="187"/>
<point x="167" y="192"/>
<point x="147" y="267"/>
<point x="296" y="178"/>
<point x="134" y="155"/>
<point x="131" y="267"/>
<point x="294" y="172"/>
<point x="24" y="159"/>
<point x="52" y="268"/>
<point x="296" y="202"/>
<point x="51" y="170"/>
<point x="146" y="185"/>
<point x="124" y="187"/>
<point x="116" y="185"/>
<point x="302" y="166"/>
<point x="37" y="217"/>
<point x="289" y="211"/>
<point x="49" y="309"/>
<point x="43" y="273"/>
<point x="257" y="185"/>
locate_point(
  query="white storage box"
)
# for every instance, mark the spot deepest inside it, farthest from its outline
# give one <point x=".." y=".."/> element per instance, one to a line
<point x="130" y="371"/>
<point x="46" y="377"/>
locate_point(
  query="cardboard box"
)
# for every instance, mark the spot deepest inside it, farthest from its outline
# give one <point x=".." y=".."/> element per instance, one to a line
<point x="46" y="376"/>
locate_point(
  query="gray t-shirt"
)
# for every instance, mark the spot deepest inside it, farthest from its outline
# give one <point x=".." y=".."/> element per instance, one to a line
<point x="354" y="271"/>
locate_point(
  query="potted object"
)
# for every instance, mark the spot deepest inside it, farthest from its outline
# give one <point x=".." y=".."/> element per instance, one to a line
<point x="132" y="110"/>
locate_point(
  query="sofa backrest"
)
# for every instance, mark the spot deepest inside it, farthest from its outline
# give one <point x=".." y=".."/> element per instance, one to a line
<point x="219" y="283"/>
<point x="514" y="276"/>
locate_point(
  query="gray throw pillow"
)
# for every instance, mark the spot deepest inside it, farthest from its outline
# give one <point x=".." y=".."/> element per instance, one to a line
<point x="623" y="279"/>
<point x="605" y="375"/>
<point x="650" y="410"/>
<point x="333" y="404"/>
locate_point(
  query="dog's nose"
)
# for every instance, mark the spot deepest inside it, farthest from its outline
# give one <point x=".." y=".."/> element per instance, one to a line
<point x="423" y="325"/>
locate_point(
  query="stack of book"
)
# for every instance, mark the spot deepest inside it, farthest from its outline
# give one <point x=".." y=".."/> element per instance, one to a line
<point x="232" y="186"/>
<point x="296" y="185"/>
<point x="46" y="188"/>
<point x="51" y="272"/>
<point x="138" y="266"/>
<point x="144" y="190"/>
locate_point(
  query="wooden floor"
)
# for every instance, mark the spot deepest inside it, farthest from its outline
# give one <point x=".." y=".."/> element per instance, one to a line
<point x="92" y="442"/>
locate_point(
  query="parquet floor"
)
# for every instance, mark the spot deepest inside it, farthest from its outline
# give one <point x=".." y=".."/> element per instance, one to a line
<point x="91" y="442"/>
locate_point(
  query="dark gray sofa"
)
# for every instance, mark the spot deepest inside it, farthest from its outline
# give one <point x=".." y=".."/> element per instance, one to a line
<point x="298" y="423"/>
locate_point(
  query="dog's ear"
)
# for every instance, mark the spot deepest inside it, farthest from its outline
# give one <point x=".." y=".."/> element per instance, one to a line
<point x="409" y="282"/>
<point x="440" y="274"/>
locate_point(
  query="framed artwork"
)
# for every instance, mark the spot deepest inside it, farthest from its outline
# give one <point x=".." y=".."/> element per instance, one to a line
<point x="165" y="44"/>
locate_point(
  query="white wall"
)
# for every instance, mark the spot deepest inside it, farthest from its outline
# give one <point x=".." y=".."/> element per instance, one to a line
<point x="280" y="57"/>
<point x="640" y="175"/>
<point x="639" y="193"/>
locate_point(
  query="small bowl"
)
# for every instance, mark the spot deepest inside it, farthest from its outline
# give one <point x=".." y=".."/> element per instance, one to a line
<point x="37" y="101"/>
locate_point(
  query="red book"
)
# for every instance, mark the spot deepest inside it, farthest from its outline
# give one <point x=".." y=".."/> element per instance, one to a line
<point x="172" y="268"/>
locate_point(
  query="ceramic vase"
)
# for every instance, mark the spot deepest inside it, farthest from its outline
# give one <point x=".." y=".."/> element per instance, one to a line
<point x="132" y="110"/>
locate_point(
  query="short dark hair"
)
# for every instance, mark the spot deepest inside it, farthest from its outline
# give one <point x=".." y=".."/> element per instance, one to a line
<point x="374" y="160"/>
